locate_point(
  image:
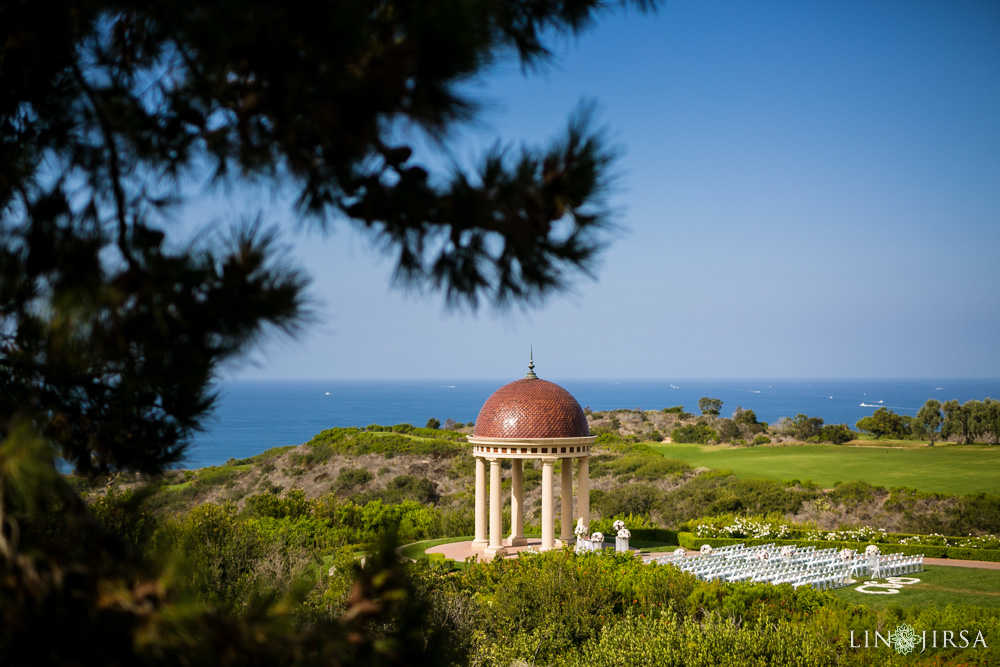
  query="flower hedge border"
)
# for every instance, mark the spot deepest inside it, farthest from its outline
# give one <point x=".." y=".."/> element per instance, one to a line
<point x="692" y="541"/>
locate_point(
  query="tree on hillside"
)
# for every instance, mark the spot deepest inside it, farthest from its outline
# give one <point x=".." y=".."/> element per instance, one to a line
<point x="804" y="427"/>
<point x="112" y="329"/>
<point x="710" y="406"/>
<point x="960" y="421"/>
<point x="699" y="432"/>
<point x="991" y="419"/>
<point x="883" y="422"/>
<point x="747" y="417"/>
<point x="838" y="434"/>
<point x="729" y="430"/>
<point x="747" y="421"/>
<point x="927" y="423"/>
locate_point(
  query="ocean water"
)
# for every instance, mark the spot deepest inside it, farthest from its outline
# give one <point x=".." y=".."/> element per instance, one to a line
<point x="252" y="416"/>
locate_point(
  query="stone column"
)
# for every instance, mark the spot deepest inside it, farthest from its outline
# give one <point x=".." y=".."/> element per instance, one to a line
<point x="480" y="541"/>
<point x="566" y="522"/>
<point x="496" y="516"/>
<point x="583" y="489"/>
<point x="517" y="538"/>
<point x="548" y="523"/>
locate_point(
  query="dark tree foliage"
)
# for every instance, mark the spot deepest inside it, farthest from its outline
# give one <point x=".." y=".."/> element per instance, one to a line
<point x="804" y="427"/>
<point x="838" y="434"/>
<point x="112" y="329"/>
<point x="971" y="420"/>
<point x="883" y="422"/>
<point x="710" y="406"/>
<point x="729" y="430"/>
<point x="745" y="417"/>
<point x="106" y="109"/>
<point x="928" y="421"/>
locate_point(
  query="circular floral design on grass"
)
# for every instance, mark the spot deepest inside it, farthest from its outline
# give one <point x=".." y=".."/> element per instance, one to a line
<point x="890" y="587"/>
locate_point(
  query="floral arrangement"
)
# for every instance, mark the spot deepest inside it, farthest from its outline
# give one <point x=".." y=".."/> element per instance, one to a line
<point x="862" y="534"/>
<point x="581" y="530"/>
<point x="740" y="527"/>
<point x="846" y="554"/>
<point x="597" y="537"/>
<point x="680" y="552"/>
<point x="936" y="539"/>
<point x="706" y="549"/>
<point x="743" y="527"/>
<point x="618" y="525"/>
<point x="624" y="533"/>
<point x="787" y="550"/>
<point x="872" y="550"/>
<point x="981" y="542"/>
<point x="763" y="554"/>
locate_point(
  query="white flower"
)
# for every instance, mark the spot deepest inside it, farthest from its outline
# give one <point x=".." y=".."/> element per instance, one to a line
<point x="618" y="525"/>
<point x="581" y="530"/>
<point x="846" y="554"/>
<point x="763" y="555"/>
<point x="872" y="550"/>
<point x="624" y="533"/>
<point x="706" y="549"/>
<point x="787" y="550"/>
<point x="597" y="537"/>
<point x="681" y="552"/>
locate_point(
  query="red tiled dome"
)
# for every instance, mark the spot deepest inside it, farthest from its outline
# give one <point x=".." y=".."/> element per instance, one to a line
<point x="531" y="408"/>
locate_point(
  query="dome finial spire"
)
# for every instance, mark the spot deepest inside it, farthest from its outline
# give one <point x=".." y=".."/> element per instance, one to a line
<point x="531" y="366"/>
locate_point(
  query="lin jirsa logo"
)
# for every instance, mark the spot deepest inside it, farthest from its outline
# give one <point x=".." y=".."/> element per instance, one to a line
<point x="906" y="640"/>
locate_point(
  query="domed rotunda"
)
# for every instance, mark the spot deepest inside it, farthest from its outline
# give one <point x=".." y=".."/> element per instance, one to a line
<point x="530" y="419"/>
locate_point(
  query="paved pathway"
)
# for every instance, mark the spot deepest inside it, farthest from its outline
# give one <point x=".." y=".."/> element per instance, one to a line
<point x="954" y="562"/>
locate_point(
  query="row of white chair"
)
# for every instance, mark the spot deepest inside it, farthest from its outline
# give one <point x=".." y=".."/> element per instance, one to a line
<point x="822" y="569"/>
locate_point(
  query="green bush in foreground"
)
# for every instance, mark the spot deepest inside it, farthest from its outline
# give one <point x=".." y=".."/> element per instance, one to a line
<point x="605" y="609"/>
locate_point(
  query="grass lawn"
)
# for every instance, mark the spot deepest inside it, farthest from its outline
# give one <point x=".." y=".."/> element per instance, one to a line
<point x="178" y="487"/>
<point x="940" y="469"/>
<point x="938" y="587"/>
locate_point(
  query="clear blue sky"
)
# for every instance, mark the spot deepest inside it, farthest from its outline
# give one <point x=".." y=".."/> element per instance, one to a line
<point x="808" y="189"/>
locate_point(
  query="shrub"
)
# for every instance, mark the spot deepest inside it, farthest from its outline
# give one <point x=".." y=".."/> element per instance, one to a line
<point x="761" y="440"/>
<point x="836" y="433"/>
<point x="699" y="432"/>
<point x="401" y="489"/>
<point x="608" y="438"/>
<point x="852" y="494"/>
<point x="637" y="499"/>
<point x="217" y="475"/>
<point x="122" y="514"/>
<point x="729" y="430"/>
<point x="291" y="505"/>
<point x="221" y="553"/>
<point x="400" y="439"/>
<point x="350" y="478"/>
<point x="658" y="468"/>
<point x="721" y="492"/>
<point x="804" y="427"/>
